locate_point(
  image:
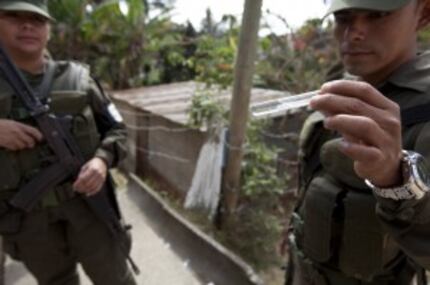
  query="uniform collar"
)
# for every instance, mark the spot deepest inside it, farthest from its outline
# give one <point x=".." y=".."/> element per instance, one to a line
<point x="414" y="74"/>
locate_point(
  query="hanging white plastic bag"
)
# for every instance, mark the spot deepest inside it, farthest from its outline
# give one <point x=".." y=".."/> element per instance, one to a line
<point x="205" y="189"/>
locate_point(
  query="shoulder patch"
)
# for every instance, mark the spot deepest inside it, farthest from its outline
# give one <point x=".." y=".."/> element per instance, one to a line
<point x="113" y="111"/>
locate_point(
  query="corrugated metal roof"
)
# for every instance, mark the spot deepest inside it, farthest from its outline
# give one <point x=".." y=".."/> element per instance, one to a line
<point x="172" y="101"/>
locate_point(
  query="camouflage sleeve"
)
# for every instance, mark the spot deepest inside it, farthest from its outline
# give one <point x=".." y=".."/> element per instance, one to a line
<point x="408" y="222"/>
<point x="109" y="123"/>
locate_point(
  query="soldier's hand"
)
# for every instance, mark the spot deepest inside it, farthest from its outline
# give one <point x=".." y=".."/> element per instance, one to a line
<point x="16" y="136"/>
<point x="370" y="126"/>
<point x="91" y="177"/>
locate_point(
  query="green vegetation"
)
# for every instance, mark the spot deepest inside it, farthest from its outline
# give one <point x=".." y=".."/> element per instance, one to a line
<point x="124" y="45"/>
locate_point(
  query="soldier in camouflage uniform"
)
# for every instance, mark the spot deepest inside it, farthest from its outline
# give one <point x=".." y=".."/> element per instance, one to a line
<point x="62" y="230"/>
<point x="363" y="213"/>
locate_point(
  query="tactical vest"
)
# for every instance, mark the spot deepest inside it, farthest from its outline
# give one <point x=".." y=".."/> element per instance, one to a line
<point x="337" y="225"/>
<point x="68" y="99"/>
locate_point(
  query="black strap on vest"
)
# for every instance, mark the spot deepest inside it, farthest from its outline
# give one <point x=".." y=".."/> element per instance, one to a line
<point x="415" y="115"/>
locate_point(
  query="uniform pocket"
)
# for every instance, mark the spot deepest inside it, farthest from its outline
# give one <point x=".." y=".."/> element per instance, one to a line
<point x="86" y="134"/>
<point x="318" y="210"/>
<point x="362" y="249"/>
<point x="68" y="102"/>
<point x="82" y="125"/>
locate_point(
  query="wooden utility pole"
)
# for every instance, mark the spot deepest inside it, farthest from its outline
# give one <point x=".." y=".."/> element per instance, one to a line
<point x="243" y="74"/>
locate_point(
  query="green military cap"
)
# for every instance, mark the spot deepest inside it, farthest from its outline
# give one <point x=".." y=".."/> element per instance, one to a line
<point x="377" y="5"/>
<point x="34" y="6"/>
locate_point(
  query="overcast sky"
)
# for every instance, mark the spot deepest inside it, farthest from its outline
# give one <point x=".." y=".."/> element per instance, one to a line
<point x="294" y="11"/>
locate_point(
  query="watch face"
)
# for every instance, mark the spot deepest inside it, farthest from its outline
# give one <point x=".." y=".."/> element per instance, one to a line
<point x="423" y="172"/>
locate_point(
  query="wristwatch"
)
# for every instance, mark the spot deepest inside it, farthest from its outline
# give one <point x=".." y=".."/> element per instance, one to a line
<point x="416" y="177"/>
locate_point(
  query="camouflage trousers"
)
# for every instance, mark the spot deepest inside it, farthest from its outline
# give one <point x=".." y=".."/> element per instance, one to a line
<point x="53" y="240"/>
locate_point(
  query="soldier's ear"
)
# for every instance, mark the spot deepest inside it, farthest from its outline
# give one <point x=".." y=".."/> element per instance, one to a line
<point x="49" y="31"/>
<point x="424" y="14"/>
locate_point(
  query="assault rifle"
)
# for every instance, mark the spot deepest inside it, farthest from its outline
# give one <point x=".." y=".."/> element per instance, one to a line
<point x="69" y="160"/>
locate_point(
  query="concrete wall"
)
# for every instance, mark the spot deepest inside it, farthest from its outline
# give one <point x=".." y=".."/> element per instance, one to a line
<point x="174" y="153"/>
<point x="130" y="115"/>
<point x="211" y="261"/>
<point x="159" y="146"/>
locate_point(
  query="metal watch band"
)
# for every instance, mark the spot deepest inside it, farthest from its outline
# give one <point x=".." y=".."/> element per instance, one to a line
<point x="414" y="186"/>
<point x="403" y="192"/>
